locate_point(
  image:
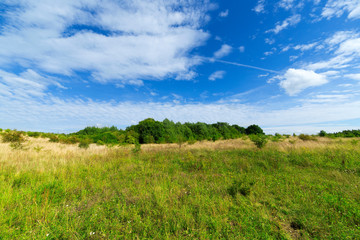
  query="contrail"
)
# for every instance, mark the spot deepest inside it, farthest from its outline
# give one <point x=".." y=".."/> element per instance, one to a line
<point x="241" y="65"/>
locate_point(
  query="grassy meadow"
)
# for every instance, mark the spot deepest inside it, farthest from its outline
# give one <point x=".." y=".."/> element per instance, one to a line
<point x="228" y="189"/>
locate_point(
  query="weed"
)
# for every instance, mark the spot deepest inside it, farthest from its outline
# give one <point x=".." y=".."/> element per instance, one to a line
<point x="38" y="148"/>
<point x="137" y="148"/>
<point x="17" y="146"/>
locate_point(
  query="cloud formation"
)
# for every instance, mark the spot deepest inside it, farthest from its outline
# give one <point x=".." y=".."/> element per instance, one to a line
<point x="290" y="21"/>
<point x="217" y="75"/>
<point x="113" y="42"/>
<point x="260" y="6"/>
<point x="336" y="8"/>
<point x="296" y="80"/>
<point x="224" y="13"/>
<point x="223" y="51"/>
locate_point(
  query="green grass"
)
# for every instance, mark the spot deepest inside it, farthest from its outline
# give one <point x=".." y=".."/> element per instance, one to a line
<point x="204" y="194"/>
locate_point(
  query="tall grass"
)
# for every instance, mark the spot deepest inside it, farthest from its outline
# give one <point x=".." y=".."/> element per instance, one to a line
<point x="207" y="190"/>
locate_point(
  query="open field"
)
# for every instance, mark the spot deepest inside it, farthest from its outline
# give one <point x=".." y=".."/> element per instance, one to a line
<point x="290" y="189"/>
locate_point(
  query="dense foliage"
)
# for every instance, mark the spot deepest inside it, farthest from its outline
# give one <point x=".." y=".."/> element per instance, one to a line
<point x="152" y="131"/>
<point x="345" y="133"/>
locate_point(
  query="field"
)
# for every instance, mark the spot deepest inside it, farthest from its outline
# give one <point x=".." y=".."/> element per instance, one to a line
<point x="290" y="189"/>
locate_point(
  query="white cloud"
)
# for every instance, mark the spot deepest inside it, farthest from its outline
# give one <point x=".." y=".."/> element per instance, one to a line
<point x="53" y="114"/>
<point x="269" y="41"/>
<point x="260" y="7"/>
<point x="346" y="46"/>
<point x="305" y="47"/>
<point x="242" y="49"/>
<point x="224" y="13"/>
<point x="217" y="75"/>
<point x="186" y="75"/>
<point x="286" y="4"/>
<point x="26" y="84"/>
<point x="223" y="51"/>
<point x="114" y="42"/>
<point x="296" y="80"/>
<point x="354" y="76"/>
<point x="340" y="37"/>
<point x="336" y="8"/>
<point x="290" y="21"/>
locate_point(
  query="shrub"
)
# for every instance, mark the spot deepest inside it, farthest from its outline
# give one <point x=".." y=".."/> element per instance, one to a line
<point x="53" y="138"/>
<point x="191" y="141"/>
<point x="306" y="137"/>
<point x="84" y="144"/>
<point x="34" y="134"/>
<point x="13" y="137"/>
<point x="259" y="140"/>
<point x="137" y="148"/>
<point x="322" y="133"/>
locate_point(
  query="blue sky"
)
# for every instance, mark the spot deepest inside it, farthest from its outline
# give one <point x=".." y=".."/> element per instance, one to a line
<point x="287" y="65"/>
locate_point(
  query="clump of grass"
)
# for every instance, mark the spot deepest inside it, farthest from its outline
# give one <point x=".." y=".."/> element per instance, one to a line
<point x="240" y="186"/>
<point x="38" y="148"/>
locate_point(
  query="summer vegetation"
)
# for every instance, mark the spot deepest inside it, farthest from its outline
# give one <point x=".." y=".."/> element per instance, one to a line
<point x="242" y="184"/>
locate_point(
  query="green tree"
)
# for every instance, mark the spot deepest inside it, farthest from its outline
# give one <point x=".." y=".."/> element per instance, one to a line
<point x="253" y="130"/>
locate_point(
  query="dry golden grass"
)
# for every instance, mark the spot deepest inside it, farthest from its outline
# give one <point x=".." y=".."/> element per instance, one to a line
<point x="41" y="154"/>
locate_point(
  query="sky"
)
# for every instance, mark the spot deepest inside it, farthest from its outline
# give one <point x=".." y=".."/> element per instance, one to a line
<point x="289" y="66"/>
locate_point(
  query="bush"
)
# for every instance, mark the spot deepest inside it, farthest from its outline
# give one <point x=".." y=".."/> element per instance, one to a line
<point x="33" y="134"/>
<point x="84" y="144"/>
<point x="53" y="138"/>
<point x="322" y="133"/>
<point x="306" y="137"/>
<point x="259" y="140"/>
<point x="137" y="148"/>
<point x="13" y="137"/>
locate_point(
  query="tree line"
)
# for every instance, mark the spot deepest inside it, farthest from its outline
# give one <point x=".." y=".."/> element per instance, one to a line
<point x="152" y="131"/>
